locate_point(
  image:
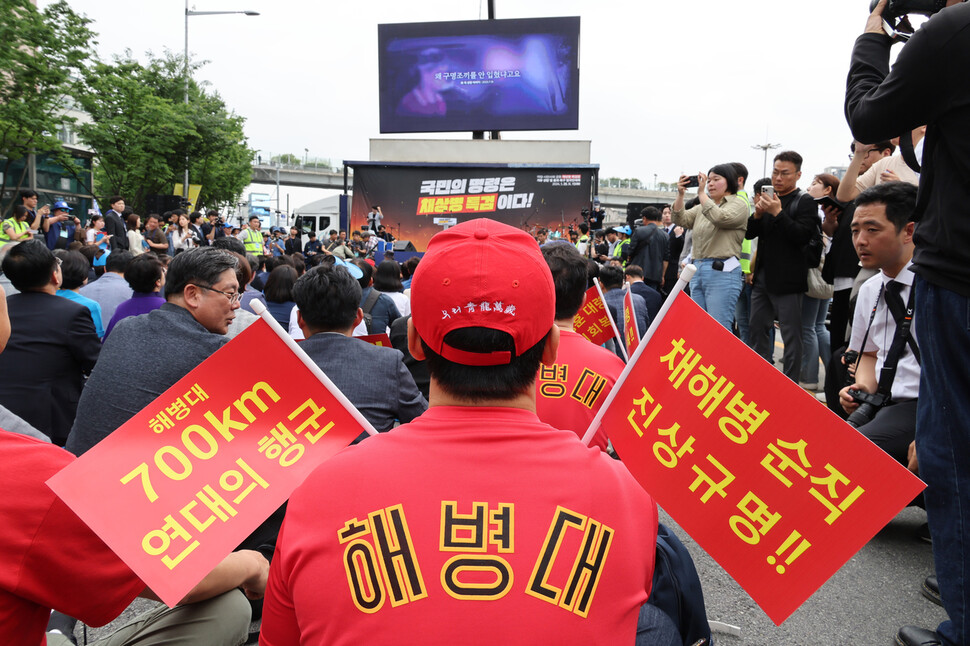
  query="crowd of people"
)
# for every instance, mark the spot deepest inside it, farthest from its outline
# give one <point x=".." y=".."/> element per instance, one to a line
<point x="488" y="386"/>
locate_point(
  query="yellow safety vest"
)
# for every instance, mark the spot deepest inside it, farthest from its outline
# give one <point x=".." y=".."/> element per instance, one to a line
<point x="15" y="224"/>
<point x="254" y="242"/>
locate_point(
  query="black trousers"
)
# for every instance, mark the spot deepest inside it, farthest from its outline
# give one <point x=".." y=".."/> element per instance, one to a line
<point x="893" y="429"/>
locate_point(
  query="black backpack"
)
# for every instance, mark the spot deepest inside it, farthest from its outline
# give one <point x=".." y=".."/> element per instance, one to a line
<point x="677" y="588"/>
<point x="368" y="305"/>
<point x="812" y="251"/>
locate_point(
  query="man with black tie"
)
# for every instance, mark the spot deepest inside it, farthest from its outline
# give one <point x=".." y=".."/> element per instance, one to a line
<point x="883" y="236"/>
<point x="114" y="223"/>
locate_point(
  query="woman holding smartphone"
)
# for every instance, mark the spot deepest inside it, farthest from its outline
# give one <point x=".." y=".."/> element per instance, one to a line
<point x="718" y="225"/>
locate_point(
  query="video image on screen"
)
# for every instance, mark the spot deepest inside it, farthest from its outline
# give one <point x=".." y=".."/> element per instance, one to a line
<point x="480" y="75"/>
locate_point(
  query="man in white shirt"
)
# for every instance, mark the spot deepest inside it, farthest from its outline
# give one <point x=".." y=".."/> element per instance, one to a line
<point x="883" y="237"/>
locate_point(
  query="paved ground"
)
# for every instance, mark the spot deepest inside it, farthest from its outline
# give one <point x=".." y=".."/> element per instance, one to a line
<point x="864" y="603"/>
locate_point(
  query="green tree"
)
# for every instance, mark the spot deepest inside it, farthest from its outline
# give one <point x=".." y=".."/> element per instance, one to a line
<point x="42" y="54"/>
<point x="141" y="130"/>
<point x="287" y="159"/>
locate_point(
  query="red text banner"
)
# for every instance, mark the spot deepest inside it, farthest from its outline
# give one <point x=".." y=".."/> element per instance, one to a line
<point x="773" y="485"/>
<point x="185" y="480"/>
<point x="592" y="320"/>
<point x="413" y="196"/>
<point x="631" y="335"/>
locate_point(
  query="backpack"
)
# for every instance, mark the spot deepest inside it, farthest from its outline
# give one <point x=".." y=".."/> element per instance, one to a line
<point x="368" y="305"/>
<point x="677" y="588"/>
<point x="812" y="251"/>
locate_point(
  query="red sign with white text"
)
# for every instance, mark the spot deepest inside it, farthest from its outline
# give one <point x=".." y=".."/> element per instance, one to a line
<point x="592" y="320"/>
<point x="631" y="335"/>
<point x="773" y="485"/>
<point x="188" y="478"/>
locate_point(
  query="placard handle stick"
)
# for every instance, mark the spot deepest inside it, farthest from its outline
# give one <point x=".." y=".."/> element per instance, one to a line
<point x="260" y="309"/>
<point x="616" y="330"/>
<point x="685" y="275"/>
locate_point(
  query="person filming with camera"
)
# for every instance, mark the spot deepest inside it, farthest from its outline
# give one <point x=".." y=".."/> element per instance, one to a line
<point x="927" y="85"/>
<point x="882" y="401"/>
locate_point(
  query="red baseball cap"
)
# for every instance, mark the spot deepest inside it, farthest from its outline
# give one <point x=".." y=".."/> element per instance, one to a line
<point x="482" y="273"/>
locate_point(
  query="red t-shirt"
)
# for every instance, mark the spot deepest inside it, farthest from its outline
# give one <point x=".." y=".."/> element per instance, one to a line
<point x="50" y="557"/>
<point x="468" y="525"/>
<point x="571" y="391"/>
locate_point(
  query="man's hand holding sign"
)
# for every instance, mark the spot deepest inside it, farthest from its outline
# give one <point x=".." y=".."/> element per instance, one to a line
<point x="774" y="486"/>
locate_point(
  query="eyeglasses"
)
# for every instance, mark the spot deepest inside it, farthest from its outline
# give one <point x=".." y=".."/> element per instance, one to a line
<point x="234" y="297"/>
<point x="781" y="173"/>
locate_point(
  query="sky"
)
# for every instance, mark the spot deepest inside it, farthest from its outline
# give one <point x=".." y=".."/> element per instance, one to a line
<point x="665" y="87"/>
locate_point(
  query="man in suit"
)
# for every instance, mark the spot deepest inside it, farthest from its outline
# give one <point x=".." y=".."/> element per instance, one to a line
<point x="611" y="280"/>
<point x="373" y="378"/>
<point x="649" y="248"/>
<point x="52" y="346"/>
<point x="114" y="223"/>
<point x="145" y="355"/>
<point x="652" y="297"/>
<point x="111" y="290"/>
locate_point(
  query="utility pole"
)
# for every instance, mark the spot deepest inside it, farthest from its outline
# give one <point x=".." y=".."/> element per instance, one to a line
<point x="765" y="147"/>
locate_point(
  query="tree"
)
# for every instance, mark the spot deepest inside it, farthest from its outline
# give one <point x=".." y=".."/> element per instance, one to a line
<point x="287" y="159"/>
<point x="141" y="130"/>
<point x="42" y="54"/>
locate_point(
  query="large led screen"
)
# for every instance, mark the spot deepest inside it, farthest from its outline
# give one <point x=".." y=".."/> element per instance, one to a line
<point x="479" y="75"/>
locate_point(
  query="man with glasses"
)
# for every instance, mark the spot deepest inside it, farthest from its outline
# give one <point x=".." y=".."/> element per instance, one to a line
<point x="52" y="343"/>
<point x="880" y="165"/>
<point x="784" y="222"/>
<point x="145" y="355"/>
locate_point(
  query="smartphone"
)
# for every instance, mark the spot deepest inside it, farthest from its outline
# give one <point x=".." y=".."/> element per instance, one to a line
<point x="692" y="182"/>
<point x="827" y="200"/>
<point x="768" y="190"/>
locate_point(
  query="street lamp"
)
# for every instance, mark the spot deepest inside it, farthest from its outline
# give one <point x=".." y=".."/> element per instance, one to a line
<point x="188" y="12"/>
<point x="765" y="147"/>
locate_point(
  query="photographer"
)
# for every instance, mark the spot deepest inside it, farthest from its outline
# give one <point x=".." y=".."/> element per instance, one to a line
<point x="719" y="223"/>
<point x="925" y="87"/>
<point x="889" y="362"/>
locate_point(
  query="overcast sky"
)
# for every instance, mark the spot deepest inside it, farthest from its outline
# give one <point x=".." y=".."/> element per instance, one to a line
<point x="665" y="87"/>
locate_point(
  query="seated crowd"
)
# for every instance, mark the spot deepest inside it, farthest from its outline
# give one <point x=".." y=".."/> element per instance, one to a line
<point x="99" y="323"/>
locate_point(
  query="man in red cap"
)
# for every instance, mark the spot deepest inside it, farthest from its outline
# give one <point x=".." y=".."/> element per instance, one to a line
<point x="476" y="523"/>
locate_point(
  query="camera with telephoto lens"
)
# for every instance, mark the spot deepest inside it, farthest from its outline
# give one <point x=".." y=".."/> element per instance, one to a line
<point x="899" y="8"/>
<point x="869" y="405"/>
<point x="895" y="12"/>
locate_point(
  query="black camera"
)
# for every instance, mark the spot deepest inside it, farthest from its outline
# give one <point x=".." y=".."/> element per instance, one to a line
<point x="899" y="8"/>
<point x="895" y="12"/>
<point x="693" y="181"/>
<point x="869" y="405"/>
<point x="849" y="359"/>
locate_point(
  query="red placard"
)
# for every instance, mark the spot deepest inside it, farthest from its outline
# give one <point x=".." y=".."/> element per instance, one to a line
<point x="381" y="340"/>
<point x="592" y="320"/>
<point x="772" y="484"/>
<point x="630" y="332"/>
<point x="185" y="480"/>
